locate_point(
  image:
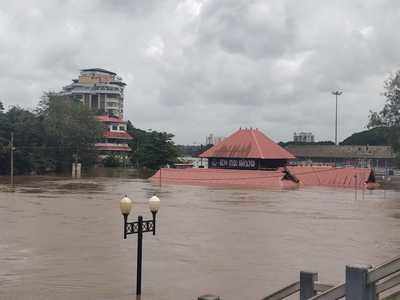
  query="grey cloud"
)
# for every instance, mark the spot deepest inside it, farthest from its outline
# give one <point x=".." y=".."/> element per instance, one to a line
<point x="253" y="28"/>
<point x="200" y="66"/>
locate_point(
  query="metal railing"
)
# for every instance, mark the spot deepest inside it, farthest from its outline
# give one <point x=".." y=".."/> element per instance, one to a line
<point x="362" y="282"/>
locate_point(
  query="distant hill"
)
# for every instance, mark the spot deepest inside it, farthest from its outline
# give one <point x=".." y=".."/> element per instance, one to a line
<point x="373" y="137"/>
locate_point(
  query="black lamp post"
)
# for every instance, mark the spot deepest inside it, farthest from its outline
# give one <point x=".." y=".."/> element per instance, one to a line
<point x="138" y="228"/>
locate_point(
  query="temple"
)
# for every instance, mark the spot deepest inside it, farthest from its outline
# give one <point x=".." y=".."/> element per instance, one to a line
<point x="248" y="158"/>
<point x="247" y="149"/>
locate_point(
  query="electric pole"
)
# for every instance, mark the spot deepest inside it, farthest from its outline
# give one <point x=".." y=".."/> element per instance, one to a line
<point x="336" y="93"/>
<point x="12" y="159"/>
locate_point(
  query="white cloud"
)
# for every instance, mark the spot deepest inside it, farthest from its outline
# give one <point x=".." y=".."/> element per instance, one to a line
<point x="155" y="47"/>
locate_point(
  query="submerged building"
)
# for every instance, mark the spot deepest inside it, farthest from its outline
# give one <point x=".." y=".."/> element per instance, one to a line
<point x="248" y="158"/>
<point x="99" y="89"/>
<point x="247" y="149"/>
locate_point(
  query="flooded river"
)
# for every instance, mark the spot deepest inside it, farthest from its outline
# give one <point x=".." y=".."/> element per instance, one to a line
<point x="62" y="238"/>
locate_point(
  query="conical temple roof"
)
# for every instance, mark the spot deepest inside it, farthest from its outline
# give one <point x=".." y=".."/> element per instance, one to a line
<point x="247" y="143"/>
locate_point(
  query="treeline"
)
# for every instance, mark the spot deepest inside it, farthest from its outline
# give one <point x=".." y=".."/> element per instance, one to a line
<point x="388" y="118"/>
<point x="374" y="137"/>
<point x="59" y="131"/>
<point x="152" y="149"/>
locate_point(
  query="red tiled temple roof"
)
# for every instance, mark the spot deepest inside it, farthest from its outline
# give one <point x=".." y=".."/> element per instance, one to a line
<point x="106" y="119"/>
<point x="117" y="135"/>
<point x="248" y="143"/>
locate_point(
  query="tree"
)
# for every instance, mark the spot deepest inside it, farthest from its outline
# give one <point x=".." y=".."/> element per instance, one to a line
<point x="27" y="139"/>
<point x="152" y="149"/>
<point x="374" y="137"/>
<point x="70" y="131"/>
<point x="389" y="116"/>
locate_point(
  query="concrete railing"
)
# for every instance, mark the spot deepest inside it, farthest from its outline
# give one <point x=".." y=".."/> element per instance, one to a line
<point x="308" y="286"/>
<point x="363" y="282"/>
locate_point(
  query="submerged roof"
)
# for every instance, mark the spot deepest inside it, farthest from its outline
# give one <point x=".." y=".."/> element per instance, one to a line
<point x="248" y="143"/>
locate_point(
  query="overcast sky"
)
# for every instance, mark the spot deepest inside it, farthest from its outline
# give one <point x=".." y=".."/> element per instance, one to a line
<point x="196" y="67"/>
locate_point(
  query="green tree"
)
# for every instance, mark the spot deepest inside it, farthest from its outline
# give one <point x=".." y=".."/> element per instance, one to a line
<point x="389" y="116"/>
<point x="4" y="142"/>
<point x="152" y="149"/>
<point x="70" y="131"/>
<point x="112" y="160"/>
<point x="28" y="139"/>
<point x="374" y="137"/>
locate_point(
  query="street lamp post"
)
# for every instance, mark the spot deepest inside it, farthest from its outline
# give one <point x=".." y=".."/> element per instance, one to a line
<point x="138" y="228"/>
<point x="336" y="93"/>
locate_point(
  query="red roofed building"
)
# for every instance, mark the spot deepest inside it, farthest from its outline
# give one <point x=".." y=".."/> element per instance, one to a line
<point x="247" y="149"/>
<point x="115" y="138"/>
<point x="259" y="162"/>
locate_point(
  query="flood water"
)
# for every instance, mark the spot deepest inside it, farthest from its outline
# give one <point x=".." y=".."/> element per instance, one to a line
<point x="62" y="238"/>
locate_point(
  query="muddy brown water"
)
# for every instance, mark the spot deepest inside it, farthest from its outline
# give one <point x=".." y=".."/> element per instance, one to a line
<point x="61" y="238"/>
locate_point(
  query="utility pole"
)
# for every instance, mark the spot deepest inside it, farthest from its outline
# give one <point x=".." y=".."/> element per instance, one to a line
<point x="12" y="160"/>
<point x="336" y="93"/>
<point x="137" y="153"/>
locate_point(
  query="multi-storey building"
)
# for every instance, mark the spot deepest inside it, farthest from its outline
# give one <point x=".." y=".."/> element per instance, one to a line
<point x="303" y="137"/>
<point x="103" y="92"/>
<point x="99" y="89"/>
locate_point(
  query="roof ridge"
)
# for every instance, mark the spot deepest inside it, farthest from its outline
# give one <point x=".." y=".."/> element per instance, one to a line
<point x="257" y="144"/>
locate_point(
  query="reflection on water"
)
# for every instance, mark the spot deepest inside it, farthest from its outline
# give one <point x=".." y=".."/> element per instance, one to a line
<point x="62" y="238"/>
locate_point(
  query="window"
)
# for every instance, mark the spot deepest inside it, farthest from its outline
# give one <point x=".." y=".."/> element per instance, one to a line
<point x="115" y="127"/>
<point x="95" y="101"/>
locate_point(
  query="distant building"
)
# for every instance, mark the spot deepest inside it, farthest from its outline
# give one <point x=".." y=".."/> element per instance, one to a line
<point x="99" y="89"/>
<point x="358" y="156"/>
<point x="213" y="140"/>
<point x="303" y="137"/>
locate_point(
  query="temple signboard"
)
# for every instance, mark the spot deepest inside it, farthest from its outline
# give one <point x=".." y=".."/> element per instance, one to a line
<point x="232" y="163"/>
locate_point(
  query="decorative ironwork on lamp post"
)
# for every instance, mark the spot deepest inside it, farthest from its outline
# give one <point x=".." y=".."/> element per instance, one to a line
<point x="138" y="228"/>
